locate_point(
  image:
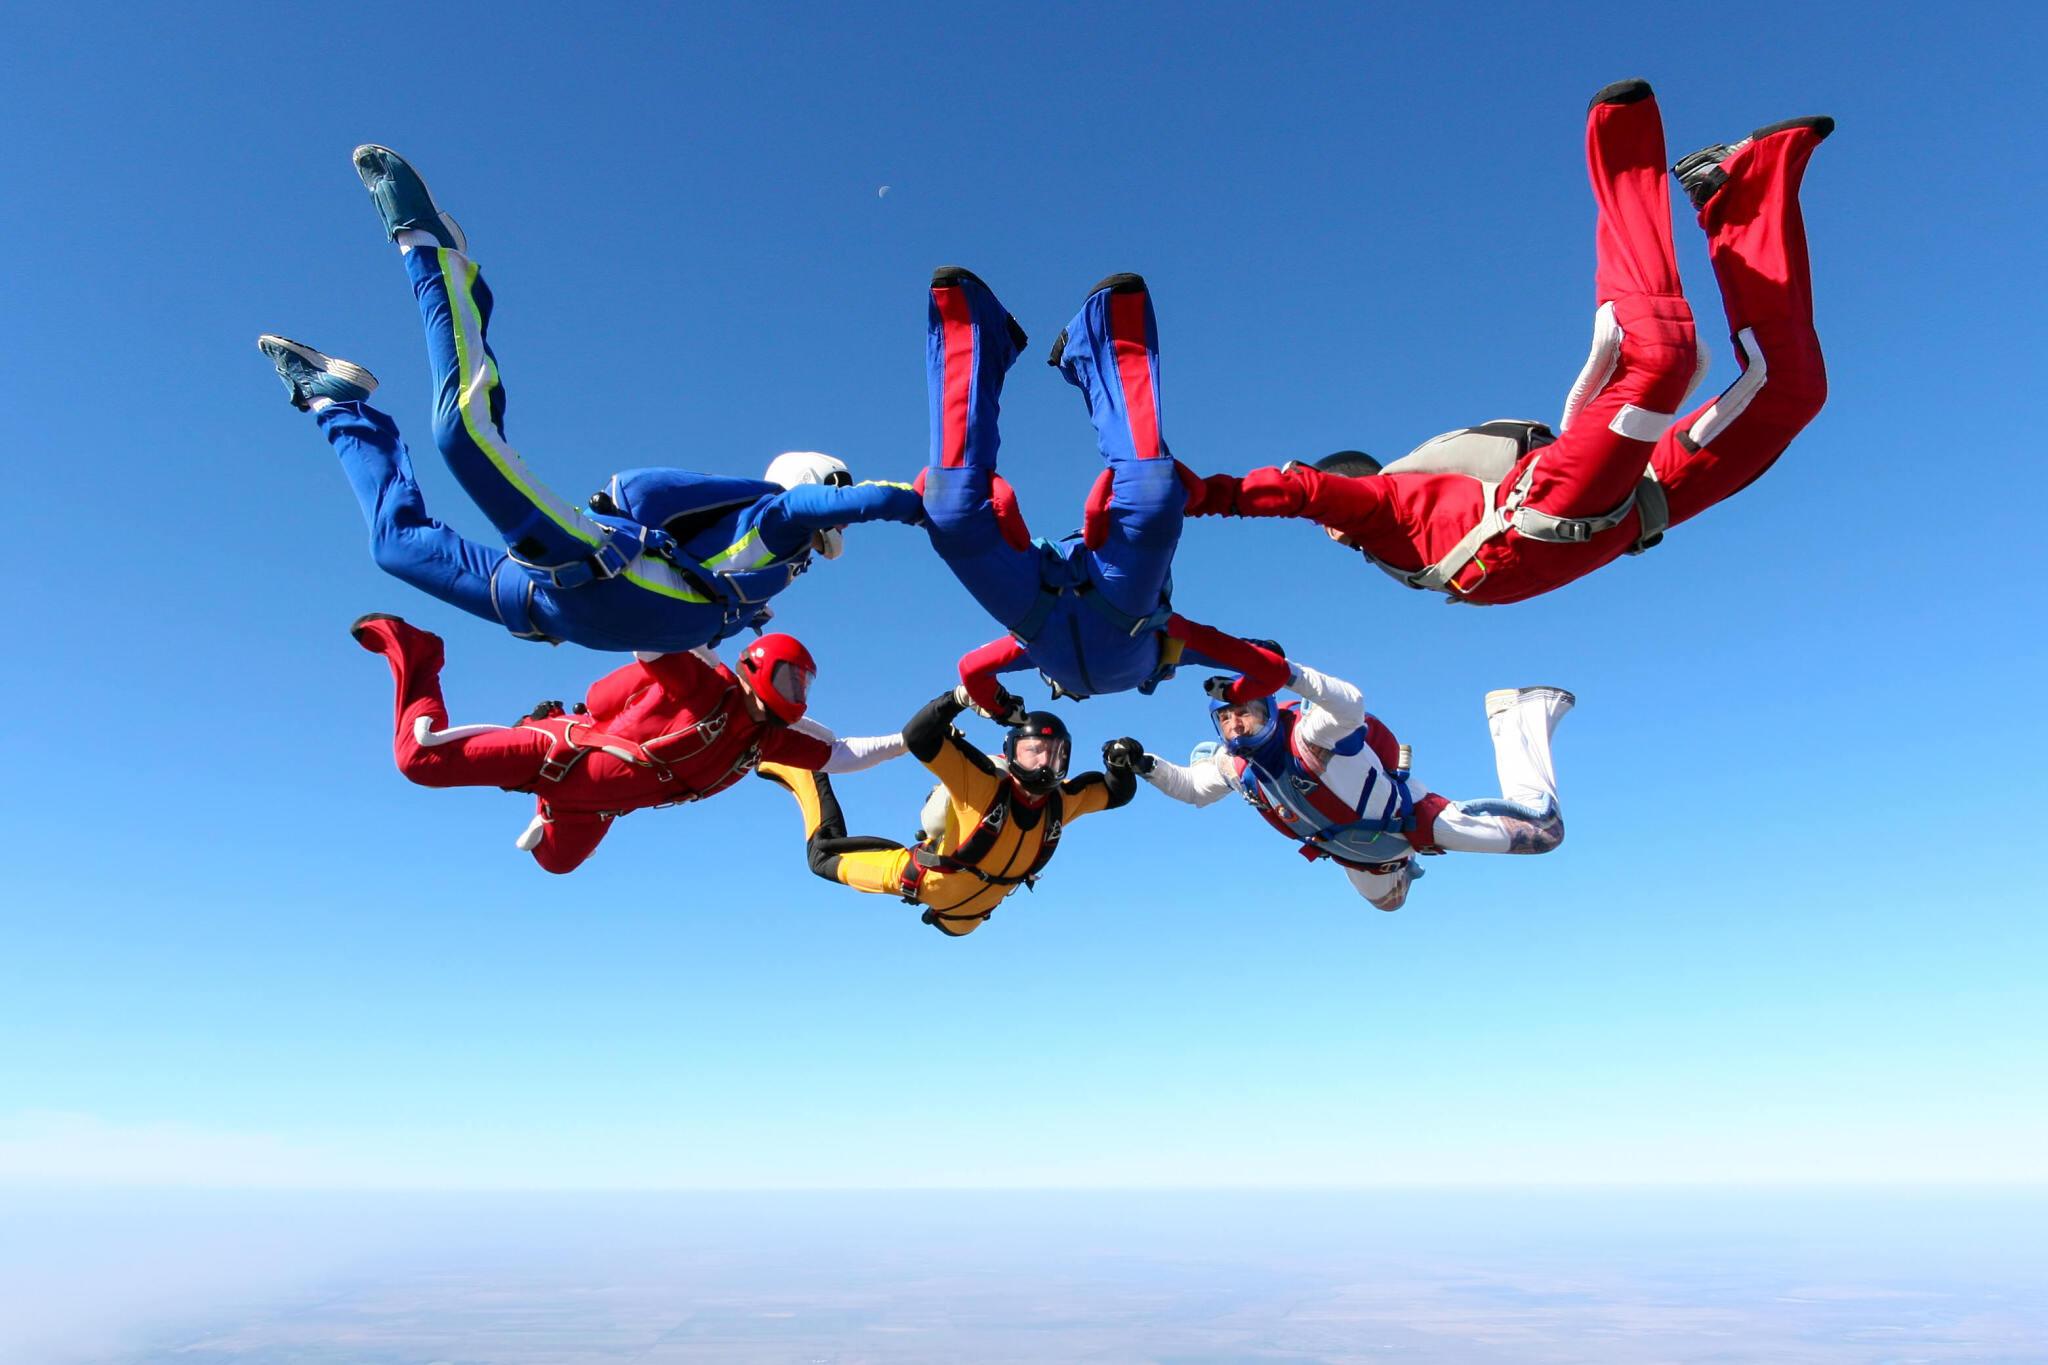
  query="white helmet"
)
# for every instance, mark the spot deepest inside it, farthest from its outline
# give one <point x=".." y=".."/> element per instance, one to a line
<point x="794" y="467"/>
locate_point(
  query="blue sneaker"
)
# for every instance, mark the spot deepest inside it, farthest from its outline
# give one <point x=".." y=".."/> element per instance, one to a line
<point x="307" y="374"/>
<point x="402" y="198"/>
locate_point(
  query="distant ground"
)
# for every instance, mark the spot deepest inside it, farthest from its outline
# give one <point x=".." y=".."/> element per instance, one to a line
<point x="1197" y="1279"/>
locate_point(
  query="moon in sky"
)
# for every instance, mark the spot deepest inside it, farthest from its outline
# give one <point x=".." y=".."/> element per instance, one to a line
<point x="882" y="193"/>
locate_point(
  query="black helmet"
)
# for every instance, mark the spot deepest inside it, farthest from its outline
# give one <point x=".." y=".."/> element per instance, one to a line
<point x="1354" y="464"/>
<point x="1039" y="725"/>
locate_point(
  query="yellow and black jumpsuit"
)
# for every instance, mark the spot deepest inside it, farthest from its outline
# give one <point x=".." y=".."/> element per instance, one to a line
<point x="996" y="837"/>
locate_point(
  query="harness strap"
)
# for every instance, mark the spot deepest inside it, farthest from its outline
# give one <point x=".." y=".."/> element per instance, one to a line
<point x="1130" y="625"/>
<point x="1655" y="508"/>
<point x="1049" y="594"/>
<point x="572" y="738"/>
<point x="924" y="858"/>
<point x="1396" y="817"/>
<point x="1438" y="577"/>
<point x="1512" y="513"/>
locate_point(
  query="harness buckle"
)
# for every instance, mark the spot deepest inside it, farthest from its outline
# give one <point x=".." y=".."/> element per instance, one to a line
<point x="554" y="769"/>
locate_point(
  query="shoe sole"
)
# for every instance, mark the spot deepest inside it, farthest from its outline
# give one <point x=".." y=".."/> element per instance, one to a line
<point x="953" y="276"/>
<point x="1821" y="124"/>
<point x="355" y="628"/>
<point x="1631" y="91"/>
<point x="453" y="229"/>
<point x="1121" y="283"/>
<point x="326" y="364"/>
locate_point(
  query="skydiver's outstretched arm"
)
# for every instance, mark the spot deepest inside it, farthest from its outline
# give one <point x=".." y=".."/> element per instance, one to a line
<point x="851" y="755"/>
<point x="1200" y="785"/>
<point x="788" y="521"/>
<point x="964" y="770"/>
<point x="1264" y="671"/>
<point x="1091" y="792"/>
<point x="979" y="670"/>
<point x="1338" y="711"/>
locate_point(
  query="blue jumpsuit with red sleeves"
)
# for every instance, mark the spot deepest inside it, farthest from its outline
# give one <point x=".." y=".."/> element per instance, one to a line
<point x="1091" y="614"/>
<point x="616" y="582"/>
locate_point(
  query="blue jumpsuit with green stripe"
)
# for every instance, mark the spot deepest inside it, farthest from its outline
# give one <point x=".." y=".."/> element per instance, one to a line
<point x="572" y="576"/>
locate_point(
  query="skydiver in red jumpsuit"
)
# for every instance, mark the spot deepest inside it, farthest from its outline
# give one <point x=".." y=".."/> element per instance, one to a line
<point x="1566" y="507"/>
<point x="666" y="729"/>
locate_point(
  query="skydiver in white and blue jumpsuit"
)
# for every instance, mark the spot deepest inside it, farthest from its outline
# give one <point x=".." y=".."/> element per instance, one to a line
<point x="1327" y="773"/>
<point x="667" y="560"/>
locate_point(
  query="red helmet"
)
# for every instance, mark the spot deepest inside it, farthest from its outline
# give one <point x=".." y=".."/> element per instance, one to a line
<point x="778" y="670"/>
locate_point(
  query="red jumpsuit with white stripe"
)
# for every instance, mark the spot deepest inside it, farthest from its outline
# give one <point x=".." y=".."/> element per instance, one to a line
<point x="1757" y="242"/>
<point x="686" y="715"/>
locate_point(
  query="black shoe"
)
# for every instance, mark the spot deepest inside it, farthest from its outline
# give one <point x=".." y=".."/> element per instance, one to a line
<point x="952" y="276"/>
<point x="355" y="627"/>
<point x="1821" y="124"/>
<point x="1700" y="174"/>
<point x="1629" y="91"/>
<point x="1122" y="283"/>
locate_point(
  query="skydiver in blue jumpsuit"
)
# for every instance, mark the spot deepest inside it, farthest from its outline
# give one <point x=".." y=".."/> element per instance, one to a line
<point x="667" y="560"/>
<point x="1092" y="614"/>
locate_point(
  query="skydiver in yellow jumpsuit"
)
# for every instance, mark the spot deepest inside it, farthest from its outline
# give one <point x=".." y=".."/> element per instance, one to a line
<point x="1000" y="825"/>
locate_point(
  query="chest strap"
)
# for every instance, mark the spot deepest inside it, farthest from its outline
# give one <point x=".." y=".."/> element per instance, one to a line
<point x="925" y="859"/>
<point x="573" y="738"/>
<point x="1510" y="512"/>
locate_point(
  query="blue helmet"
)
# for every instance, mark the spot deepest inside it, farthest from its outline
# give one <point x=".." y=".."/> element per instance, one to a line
<point x="1262" y="746"/>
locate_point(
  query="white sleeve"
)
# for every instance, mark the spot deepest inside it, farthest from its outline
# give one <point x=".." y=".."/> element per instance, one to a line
<point x="1337" y="707"/>
<point x="863" y="752"/>
<point x="1201" y="785"/>
<point x="852" y="755"/>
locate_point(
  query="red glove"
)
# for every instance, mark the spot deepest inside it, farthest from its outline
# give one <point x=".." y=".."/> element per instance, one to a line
<point x="1272" y="493"/>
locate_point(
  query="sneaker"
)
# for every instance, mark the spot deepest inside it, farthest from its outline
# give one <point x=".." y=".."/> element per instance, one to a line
<point x="402" y="198"/>
<point x="307" y="374"/>
<point x="1507" y="698"/>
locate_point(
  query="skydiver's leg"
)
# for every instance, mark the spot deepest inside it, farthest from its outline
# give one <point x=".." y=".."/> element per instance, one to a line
<point x="565" y="844"/>
<point x="1110" y="351"/>
<point x="971" y="342"/>
<point x="1526" y="818"/>
<point x="406" y="542"/>
<point x="859" y="861"/>
<point x="469" y="414"/>
<point x="1645" y="356"/>
<point x="1386" y="890"/>
<point x="1756" y="238"/>
<point x="428" y="751"/>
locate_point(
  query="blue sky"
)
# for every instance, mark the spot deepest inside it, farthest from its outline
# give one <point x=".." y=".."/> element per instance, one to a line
<point x="1792" y="935"/>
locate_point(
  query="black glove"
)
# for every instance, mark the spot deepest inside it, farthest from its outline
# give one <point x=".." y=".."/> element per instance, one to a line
<point x="1010" y="709"/>
<point x="1127" y="753"/>
<point x="1219" y="687"/>
<point x="545" y="710"/>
